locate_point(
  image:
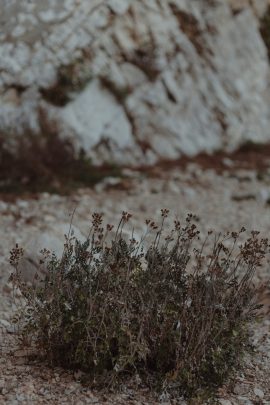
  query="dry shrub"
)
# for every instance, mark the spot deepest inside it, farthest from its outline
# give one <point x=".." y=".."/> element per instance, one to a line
<point x="46" y="162"/>
<point x="265" y="29"/>
<point x="171" y="314"/>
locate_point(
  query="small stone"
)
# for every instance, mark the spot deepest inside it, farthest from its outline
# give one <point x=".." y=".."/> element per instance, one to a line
<point x="225" y="402"/>
<point x="264" y="195"/>
<point x="173" y="187"/>
<point x="93" y="400"/>
<point x="5" y="323"/>
<point x="49" y="218"/>
<point x="45" y="196"/>
<point x="258" y="392"/>
<point x="189" y="192"/>
<point x="228" y="162"/>
<point x="240" y="389"/>
<point x="22" y="204"/>
<point x="244" y="401"/>
<point x="71" y="388"/>
<point x="106" y="183"/>
<point x="131" y="173"/>
<point x="20" y="397"/>
<point x="3" y="206"/>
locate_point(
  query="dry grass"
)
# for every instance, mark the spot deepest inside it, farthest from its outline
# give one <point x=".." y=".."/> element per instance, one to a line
<point x="46" y="162"/>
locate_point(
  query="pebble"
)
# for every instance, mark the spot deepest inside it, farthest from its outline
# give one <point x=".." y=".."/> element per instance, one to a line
<point x="240" y="389"/>
<point x="72" y="388"/>
<point x="228" y="162"/>
<point x="173" y="187"/>
<point x="225" y="402"/>
<point x="22" y="204"/>
<point x="93" y="400"/>
<point x="45" y="196"/>
<point x="244" y="401"/>
<point x="107" y="182"/>
<point x="263" y="195"/>
<point x="131" y="173"/>
<point x="246" y="175"/>
<point x="258" y="392"/>
<point x="49" y="219"/>
<point x="3" y="206"/>
<point x="4" y="323"/>
<point x="189" y="192"/>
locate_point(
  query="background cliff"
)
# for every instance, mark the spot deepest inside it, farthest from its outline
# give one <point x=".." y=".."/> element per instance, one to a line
<point x="136" y="81"/>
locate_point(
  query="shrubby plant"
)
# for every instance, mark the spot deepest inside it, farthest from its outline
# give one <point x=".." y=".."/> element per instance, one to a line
<point x="265" y="29"/>
<point x="46" y="162"/>
<point x="174" y="315"/>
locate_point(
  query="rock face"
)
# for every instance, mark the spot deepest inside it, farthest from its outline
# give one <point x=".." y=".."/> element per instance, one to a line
<point x="133" y="81"/>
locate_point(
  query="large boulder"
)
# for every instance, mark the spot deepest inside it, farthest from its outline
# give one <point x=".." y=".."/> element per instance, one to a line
<point x="133" y="81"/>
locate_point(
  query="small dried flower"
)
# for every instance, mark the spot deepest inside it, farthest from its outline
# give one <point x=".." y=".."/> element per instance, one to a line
<point x="164" y="212"/>
<point x="15" y="255"/>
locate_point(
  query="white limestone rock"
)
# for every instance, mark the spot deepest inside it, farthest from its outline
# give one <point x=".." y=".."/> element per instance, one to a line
<point x="96" y="119"/>
<point x="162" y="79"/>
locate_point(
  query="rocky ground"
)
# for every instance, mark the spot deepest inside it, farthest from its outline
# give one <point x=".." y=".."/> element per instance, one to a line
<point x="225" y="201"/>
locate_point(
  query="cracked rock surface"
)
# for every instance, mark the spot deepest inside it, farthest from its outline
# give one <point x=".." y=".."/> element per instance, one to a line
<point x="136" y="81"/>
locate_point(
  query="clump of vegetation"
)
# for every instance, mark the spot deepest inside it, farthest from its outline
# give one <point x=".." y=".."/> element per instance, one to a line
<point x="171" y="314"/>
<point x="46" y="162"/>
<point x="265" y="29"/>
<point x="71" y="79"/>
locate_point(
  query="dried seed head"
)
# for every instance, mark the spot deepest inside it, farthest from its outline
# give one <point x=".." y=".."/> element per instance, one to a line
<point x="97" y="220"/>
<point x="126" y="216"/>
<point x="15" y="255"/>
<point x="164" y="212"/>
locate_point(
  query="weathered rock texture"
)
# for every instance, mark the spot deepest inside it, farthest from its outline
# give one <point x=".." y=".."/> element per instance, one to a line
<point x="136" y="80"/>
